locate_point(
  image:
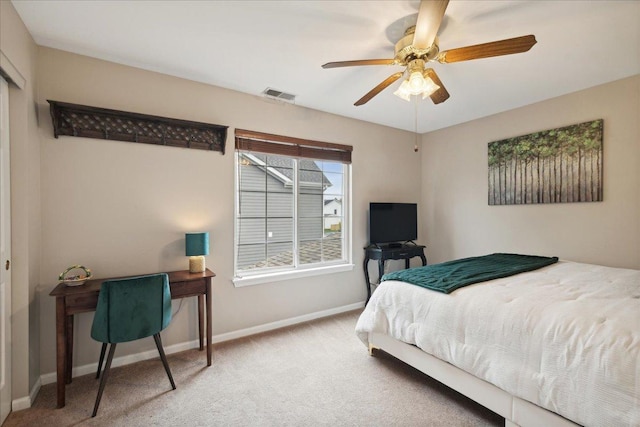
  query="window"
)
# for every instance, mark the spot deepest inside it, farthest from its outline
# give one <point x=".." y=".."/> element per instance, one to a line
<point x="291" y="205"/>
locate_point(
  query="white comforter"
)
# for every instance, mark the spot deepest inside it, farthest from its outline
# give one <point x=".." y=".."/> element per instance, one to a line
<point x="565" y="337"/>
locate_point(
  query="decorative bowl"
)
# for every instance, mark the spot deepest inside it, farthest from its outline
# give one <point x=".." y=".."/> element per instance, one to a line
<point x="75" y="275"/>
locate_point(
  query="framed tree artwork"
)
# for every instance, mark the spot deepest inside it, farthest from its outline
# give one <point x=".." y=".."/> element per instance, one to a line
<point x="562" y="165"/>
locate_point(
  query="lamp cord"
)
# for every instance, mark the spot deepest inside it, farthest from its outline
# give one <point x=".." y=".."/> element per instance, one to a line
<point x="178" y="310"/>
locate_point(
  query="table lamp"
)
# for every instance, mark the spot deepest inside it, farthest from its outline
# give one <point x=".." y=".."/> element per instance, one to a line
<point x="197" y="245"/>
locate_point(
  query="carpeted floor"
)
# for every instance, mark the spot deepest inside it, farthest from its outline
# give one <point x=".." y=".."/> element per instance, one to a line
<point x="313" y="374"/>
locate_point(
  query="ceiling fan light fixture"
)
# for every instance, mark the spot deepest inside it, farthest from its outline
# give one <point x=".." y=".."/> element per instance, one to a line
<point x="417" y="83"/>
<point x="404" y="91"/>
<point x="429" y="86"/>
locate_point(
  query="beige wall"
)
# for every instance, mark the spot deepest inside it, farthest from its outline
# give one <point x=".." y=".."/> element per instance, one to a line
<point x="122" y="208"/>
<point x="458" y="221"/>
<point x="20" y="51"/>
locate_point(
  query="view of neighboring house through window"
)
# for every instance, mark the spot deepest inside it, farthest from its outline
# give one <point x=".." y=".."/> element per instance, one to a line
<point x="320" y="229"/>
<point x="290" y="212"/>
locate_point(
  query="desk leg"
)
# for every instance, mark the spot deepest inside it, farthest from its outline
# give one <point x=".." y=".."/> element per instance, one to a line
<point x="380" y="270"/>
<point x="201" y="321"/>
<point x="209" y="332"/>
<point x="424" y="260"/>
<point x="61" y="348"/>
<point x="69" y="350"/>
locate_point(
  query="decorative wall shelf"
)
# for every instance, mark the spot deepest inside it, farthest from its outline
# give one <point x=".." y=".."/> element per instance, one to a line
<point x="101" y="123"/>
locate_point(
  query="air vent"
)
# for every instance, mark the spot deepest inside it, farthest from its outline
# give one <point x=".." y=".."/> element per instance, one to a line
<point x="279" y="95"/>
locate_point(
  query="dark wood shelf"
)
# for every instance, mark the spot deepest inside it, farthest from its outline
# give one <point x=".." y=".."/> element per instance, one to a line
<point x="101" y="123"/>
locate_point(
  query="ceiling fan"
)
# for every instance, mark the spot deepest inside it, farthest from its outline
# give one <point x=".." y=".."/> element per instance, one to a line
<point x="420" y="46"/>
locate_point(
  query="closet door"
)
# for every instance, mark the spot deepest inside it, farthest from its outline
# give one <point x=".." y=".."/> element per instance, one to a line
<point x="5" y="256"/>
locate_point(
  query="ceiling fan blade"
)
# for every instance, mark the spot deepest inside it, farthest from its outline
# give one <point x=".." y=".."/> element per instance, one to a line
<point x="376" y="90"/>
<point x="441" y="94"/>
<point x="429" y="19"/>
<point x="486" y="50"/>
<point x="359" y="62"/>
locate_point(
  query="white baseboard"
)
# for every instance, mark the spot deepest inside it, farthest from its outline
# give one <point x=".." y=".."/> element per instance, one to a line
<point x="176" y="348"/>
<point x="26" y="402"/>
<point x="284" y="323"/>
<point x="121" y="361"/>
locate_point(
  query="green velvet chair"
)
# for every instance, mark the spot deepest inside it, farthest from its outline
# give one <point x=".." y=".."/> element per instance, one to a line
<point x="130" y="309"/>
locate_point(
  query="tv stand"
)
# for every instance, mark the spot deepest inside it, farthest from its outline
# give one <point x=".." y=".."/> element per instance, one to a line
<point x="403" y="251"/>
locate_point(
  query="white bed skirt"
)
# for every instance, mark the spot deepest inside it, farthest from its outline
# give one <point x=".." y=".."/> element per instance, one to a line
<point x="516" y="412"/>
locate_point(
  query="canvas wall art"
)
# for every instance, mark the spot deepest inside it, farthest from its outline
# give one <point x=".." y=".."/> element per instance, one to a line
<point x="562" y="165"/>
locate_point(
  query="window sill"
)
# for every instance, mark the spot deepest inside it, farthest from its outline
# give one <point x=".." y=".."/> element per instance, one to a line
<point x="288" y="275"/>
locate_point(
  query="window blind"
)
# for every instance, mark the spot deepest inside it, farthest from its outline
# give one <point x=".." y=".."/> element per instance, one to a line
<point x="247" y="140"/>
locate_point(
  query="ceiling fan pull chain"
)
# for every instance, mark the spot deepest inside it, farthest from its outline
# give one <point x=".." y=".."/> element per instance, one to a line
<point x="415" y="147"/>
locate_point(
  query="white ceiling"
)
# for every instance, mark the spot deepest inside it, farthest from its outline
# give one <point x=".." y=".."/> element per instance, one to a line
<point x="251" y="45"/>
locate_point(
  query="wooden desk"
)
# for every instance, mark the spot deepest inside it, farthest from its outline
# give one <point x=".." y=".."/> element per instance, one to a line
<point x="72" y="300"/>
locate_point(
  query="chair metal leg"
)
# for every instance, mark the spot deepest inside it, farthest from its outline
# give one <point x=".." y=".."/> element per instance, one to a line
<point x="102" y="352"/>
<point x="158" y="340"/>
<point x="105" y="375"/>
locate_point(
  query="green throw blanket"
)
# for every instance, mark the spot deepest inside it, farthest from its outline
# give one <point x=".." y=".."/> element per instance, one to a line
<point x="449" y="276"/>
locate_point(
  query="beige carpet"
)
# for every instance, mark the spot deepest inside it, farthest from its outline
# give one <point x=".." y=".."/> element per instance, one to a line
<point x="313" y="374"/>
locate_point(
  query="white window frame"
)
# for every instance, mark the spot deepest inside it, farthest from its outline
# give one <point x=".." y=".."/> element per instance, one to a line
<point x="249" y="277"/>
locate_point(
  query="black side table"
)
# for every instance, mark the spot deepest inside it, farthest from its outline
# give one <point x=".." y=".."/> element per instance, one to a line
<point x="381" y="253"/>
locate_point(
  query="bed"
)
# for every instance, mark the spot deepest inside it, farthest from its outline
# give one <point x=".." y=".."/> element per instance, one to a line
<point x="557" y="346"/>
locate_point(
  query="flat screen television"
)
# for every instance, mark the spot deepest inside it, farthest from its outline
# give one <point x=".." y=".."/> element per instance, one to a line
<point x="393" y="222"/>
